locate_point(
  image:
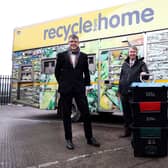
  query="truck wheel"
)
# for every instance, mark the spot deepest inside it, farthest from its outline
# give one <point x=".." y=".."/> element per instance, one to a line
<point x="75" y="116"/>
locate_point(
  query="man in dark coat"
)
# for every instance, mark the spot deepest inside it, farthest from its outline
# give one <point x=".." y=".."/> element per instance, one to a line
<point x="131" y="71"/>
<point x="73" y="76"/>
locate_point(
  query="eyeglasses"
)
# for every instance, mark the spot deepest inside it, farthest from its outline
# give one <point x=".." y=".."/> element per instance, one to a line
<point x="73" y="41"/>
<point x="134" y="51"/>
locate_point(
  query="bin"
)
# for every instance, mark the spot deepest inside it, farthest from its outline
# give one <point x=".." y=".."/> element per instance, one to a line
<point x="149" y="113"/>
<point x="148" y="91"/>
<point x="149" y="141"/>
<point x="149" y="110"/>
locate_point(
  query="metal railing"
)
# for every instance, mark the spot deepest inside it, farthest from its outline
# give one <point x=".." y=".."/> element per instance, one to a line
<point x="5" y="89"/>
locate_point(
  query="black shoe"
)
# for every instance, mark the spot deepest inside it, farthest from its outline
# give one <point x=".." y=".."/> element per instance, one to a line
<point x="92" y="141"/>
<point x="69" y="144"/>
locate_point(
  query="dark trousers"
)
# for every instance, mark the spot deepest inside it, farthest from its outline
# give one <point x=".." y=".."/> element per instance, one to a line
<point x="66" y="107"/>
<point x="127" y="112"/>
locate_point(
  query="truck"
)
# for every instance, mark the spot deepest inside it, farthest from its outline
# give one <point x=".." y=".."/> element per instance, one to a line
<point x="105" y="36"/>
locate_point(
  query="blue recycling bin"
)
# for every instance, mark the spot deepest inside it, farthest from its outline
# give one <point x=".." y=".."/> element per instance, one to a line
<point x="149" y="110"/>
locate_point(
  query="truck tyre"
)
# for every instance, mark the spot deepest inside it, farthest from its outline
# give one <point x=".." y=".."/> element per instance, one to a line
<point x="76" y="115"/>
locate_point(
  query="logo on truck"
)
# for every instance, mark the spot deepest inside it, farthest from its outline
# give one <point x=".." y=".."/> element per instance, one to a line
<point x="99" y="23"/>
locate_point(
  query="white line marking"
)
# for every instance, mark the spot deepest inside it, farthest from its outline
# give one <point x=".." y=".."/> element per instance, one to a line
<point x="94" y="153"/>
<point x="78" y="157"/>
<point x="44" y="165"/>
<point x="48" y="164"/>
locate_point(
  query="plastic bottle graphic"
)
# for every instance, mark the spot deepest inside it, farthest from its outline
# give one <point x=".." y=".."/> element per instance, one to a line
<point x="52" y="103"/>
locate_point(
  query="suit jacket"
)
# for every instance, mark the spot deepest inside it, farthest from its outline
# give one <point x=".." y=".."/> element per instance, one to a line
<point x="69" y="78"/>
<point x="130" y="74"/>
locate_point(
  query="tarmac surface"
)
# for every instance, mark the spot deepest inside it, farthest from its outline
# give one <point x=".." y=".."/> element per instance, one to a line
<point x="33" y="138"/>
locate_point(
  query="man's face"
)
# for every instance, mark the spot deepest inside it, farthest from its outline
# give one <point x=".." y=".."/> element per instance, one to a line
<point x="73" y="43"/>
<point x="132" y="53"/>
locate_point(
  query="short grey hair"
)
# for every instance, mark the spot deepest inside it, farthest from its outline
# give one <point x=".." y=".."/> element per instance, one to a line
<point x="73" y="36"/>
<point x="133" y="47"/>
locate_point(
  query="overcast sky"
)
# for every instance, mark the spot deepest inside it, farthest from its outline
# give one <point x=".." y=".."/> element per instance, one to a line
<point x="19" y="13"/>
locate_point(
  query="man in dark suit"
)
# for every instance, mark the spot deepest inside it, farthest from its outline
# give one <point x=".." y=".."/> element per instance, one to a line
<point x="132" y="69"/>
<point x="72" y="75"/>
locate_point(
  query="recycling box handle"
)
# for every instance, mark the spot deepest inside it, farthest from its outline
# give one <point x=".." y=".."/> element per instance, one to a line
<point x="146" y="76"/>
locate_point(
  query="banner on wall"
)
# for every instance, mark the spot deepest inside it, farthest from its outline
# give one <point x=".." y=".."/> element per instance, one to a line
<point x="139" y="16"/>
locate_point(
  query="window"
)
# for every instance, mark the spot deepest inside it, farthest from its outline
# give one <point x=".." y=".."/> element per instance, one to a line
<point x="48" y="66"/>
<point x="26" y="73"/>
<point x="92" y="62"/>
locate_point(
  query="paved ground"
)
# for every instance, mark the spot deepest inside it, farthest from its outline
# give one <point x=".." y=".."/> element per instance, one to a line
<point x="32" y="138"/>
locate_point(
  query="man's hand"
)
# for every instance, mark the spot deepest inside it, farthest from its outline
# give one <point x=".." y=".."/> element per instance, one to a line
<point x="143" y="73"/>
<point x="144" y="76"/>
<point x="118" y="94"/>
<point x="88" y="89"/>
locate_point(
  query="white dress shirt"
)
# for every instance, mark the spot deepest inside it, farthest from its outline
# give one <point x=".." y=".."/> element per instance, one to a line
<point x="73" y="59"/>
<point x="131" y="62"/>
